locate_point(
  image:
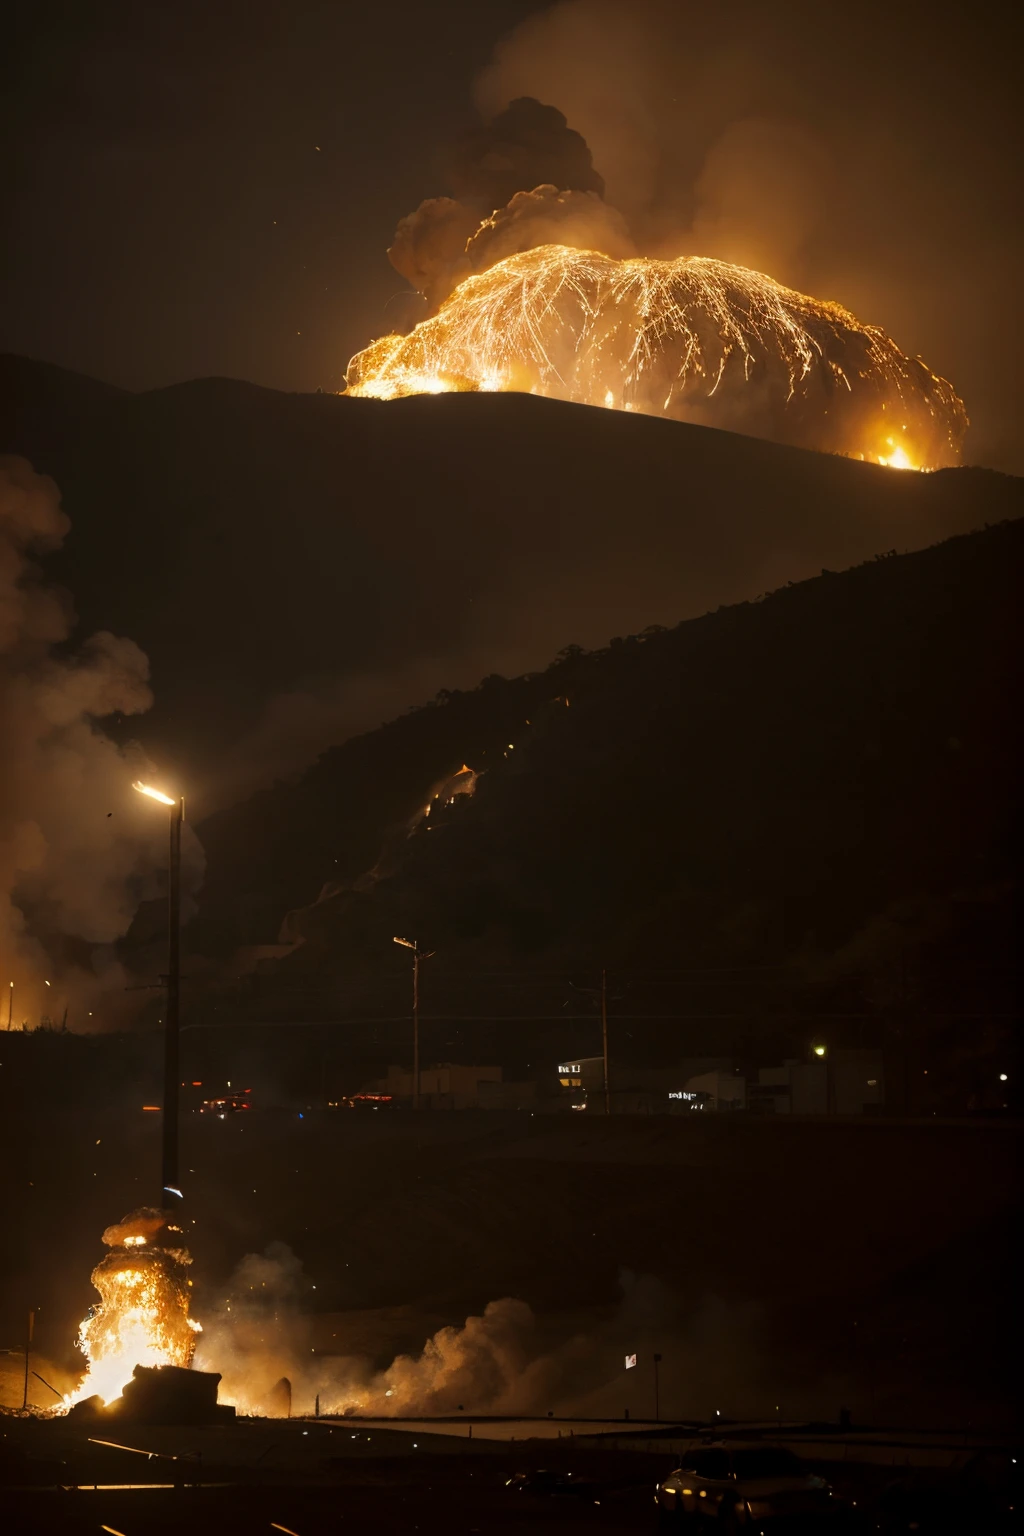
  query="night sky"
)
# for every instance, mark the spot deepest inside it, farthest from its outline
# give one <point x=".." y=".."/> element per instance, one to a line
<point x="206" y="188"/>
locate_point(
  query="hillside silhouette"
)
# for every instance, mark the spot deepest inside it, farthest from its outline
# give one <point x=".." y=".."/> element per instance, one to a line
<point x="299" y="568"/>
<point x="826" y="779"/>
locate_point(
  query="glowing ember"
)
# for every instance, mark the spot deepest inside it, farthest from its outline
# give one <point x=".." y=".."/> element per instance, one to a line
<point x="693" y="339"/>
<point x="142" y="1317"/>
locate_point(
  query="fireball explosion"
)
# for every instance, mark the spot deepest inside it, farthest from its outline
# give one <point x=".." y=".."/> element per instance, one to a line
<point x="692" y="339"/>
<point x="142" y="1317"/>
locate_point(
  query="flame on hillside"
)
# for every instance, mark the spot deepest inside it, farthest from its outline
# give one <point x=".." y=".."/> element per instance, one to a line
<point x="142" y="1317"/>
<point x="461" y="782"/>
<point x="692" y="339"/>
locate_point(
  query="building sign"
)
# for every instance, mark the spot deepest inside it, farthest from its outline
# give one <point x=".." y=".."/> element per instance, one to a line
<point x="682" y="1094"/>
<point x="630" y="1362"/>
<point x="570" y="1069"/>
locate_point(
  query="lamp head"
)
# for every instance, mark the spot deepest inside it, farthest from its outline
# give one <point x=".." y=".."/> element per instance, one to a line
<point x="154" y="794"/>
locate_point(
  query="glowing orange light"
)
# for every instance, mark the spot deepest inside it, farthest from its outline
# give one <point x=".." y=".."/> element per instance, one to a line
<point x="154" y="794"/>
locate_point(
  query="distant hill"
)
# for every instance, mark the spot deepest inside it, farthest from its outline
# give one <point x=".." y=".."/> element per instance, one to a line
<point x="828" y="778"/>
<point x="299" y="567"/>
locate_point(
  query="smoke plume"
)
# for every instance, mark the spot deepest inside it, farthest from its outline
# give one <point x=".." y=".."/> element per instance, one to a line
<point x="523" y="179"/>
<point x="75" y="855"/>
<point x="505" y="1360"/>
<point x="524" y="145"/>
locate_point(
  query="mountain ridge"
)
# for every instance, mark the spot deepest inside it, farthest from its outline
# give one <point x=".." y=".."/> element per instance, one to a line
<point x="337" y="559"/>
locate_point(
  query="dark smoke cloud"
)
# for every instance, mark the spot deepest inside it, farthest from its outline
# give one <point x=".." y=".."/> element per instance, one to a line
<point x="526" y="145"/>
<point x="524" y="178"/>
<point x="69" y="871"/>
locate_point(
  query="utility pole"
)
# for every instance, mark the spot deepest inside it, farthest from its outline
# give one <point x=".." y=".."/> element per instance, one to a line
<point x="657" y="1403"/>
<point x="417" y="956"/>
<point x="604" y="1040"/>
<point x="28" y="1349"/>
<point x="172" y="1023"/>
<point x="10" y="1005"/>
<point x="415" y="1029"/>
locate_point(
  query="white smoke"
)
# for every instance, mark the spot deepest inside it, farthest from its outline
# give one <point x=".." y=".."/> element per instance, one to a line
<point x="76" y="854"/>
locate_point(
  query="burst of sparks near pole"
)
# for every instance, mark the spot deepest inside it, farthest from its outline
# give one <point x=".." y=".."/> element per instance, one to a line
<point x="142" y="1317"/>
<point x="692" y="339"/>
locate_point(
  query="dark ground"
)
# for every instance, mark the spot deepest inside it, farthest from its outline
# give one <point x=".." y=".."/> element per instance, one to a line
<point x="311" y="1481"/>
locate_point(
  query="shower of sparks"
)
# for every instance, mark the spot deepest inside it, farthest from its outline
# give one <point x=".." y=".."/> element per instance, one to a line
<point x="692" y="339"/>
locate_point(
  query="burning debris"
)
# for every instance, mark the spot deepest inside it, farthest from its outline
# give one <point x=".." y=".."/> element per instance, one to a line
<point x="142" y="1318"/>
<point x="461" y="782"/>
<point x="692" y="339"/>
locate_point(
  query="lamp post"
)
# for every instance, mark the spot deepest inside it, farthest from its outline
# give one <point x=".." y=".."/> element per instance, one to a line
<point x="821" y="1052"/>
<point x="604" y="1041"/>
<point x="417" y="956"/>
<point x="172" y="1018"/>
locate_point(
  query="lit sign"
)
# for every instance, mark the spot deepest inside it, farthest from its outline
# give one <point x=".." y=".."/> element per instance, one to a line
<point x="682" y="1094"/>
<point x="570" y="1069"/>
<point x="630" y="1362"/>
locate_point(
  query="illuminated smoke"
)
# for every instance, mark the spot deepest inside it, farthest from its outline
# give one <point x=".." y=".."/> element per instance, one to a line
<point x="479" y="1364"/>
<point x="503" y="1361"/>
<point x="691" y="339"/>
<point x="142" y="1317"/>
<point x="443" y="243"/>
<point x="429" y="248"/>
<point x="76" y="855"/>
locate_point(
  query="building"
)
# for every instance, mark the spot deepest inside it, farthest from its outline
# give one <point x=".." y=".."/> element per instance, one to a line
<point x="837" y="1082"/>
<point x="699" y="1082"/>
<point x="716" y="1090"/>
<point x="450" y="1085"/>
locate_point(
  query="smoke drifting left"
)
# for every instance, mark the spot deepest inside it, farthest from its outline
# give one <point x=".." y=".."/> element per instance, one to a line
<point x="76" y="856"/>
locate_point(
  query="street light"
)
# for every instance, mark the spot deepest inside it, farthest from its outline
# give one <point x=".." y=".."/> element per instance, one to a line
<point x="417" y="956"/>
<point x="169" y="1149"/>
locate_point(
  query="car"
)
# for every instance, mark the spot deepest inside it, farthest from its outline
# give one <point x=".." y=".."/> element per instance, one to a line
<point x="230" y="1104"/>
<point x="760" y="1489"/>
<point x="552" y="1485"/>
<point x="363" y="1101"/>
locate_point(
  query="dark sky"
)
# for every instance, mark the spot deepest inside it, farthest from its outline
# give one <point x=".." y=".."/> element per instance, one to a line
<point x="197" y="188"/>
